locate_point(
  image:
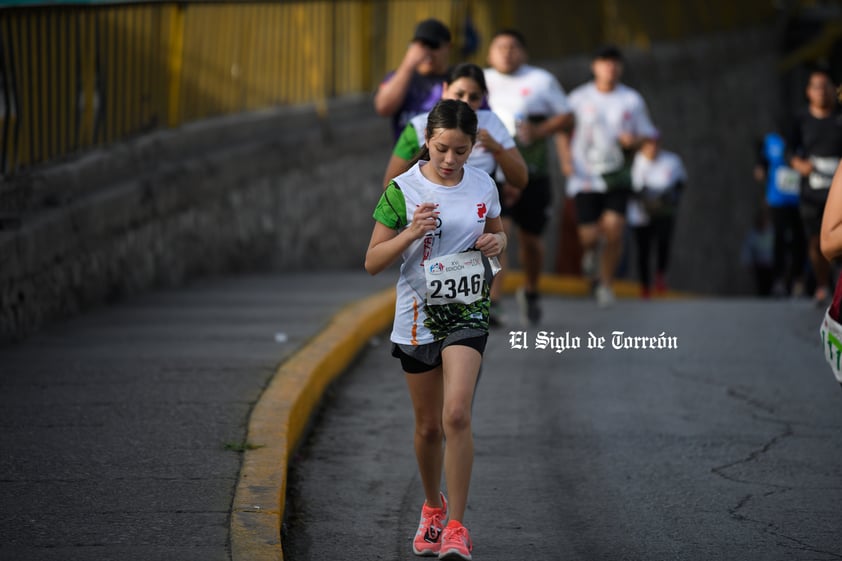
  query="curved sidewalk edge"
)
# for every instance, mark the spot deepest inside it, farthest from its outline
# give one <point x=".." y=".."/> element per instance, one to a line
<point x="283" y="410"/>
<point x="280" y="416"/>
<point x="572" y="285"/>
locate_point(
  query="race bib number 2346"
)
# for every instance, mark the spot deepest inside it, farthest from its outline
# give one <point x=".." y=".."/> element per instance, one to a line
<point x="454" y="278"/>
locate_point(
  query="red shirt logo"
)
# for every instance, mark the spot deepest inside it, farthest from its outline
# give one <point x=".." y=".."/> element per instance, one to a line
<point x="481" y="210"/>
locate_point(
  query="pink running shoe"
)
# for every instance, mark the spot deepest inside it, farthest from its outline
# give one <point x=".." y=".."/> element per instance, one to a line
<point x="455" y="542"/>
<point x="427" y="540"/>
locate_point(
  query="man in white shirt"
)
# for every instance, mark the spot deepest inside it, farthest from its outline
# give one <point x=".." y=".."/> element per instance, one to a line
<point x="611" y="122"/>
<point x="534" y="108"/>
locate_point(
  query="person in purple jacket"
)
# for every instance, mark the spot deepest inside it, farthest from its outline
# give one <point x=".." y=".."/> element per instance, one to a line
<point x="416" y="85"/>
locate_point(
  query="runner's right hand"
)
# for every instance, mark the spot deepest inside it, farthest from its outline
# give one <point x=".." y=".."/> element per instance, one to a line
<point x="423" y="220"/>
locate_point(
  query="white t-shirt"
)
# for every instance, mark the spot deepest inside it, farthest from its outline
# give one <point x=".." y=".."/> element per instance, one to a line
<point x="600" y="119"/>
<point x="529" y="90"/>
<point x="480" y="157"/>
<point x="657" y="176"/>
<point x="463" y="210"/>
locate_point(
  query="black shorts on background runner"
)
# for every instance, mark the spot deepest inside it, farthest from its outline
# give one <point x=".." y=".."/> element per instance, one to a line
<point x="532" y="210"/>
<point x="590" y="206"/>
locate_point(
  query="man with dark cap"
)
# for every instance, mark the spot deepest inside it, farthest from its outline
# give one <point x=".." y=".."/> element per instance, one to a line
<point x="415" y="86"/>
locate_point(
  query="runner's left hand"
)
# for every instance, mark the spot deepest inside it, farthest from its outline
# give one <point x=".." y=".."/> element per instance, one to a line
<point x="490" y="244"/>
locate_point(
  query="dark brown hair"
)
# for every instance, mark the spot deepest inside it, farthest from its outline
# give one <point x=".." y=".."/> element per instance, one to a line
<point x="448" y="114"/>
<point x="470" y="71"/>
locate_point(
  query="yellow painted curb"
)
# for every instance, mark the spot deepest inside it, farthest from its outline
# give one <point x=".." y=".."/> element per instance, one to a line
<point x="285" y="407"/>
<point x="572" y="285"/>
<point x="280" y="417"/>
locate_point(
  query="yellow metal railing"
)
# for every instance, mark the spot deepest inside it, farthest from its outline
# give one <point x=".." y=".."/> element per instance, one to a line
<point x="75" y="77"/>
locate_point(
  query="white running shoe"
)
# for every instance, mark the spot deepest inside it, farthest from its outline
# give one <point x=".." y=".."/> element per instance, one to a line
<point x="604" y="296"/>
<point x="589" y="264"/>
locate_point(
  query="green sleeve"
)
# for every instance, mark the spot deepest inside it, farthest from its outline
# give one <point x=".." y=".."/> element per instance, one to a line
<point x="407" y="145"/>
<point x="391" y="208"/>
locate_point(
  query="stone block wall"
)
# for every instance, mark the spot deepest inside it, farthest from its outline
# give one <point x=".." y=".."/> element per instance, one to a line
<point x="278" y="190"/>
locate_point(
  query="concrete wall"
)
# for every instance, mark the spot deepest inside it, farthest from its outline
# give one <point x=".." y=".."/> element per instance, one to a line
<point x="285" y="189"/>
<point x="711" y="98"/>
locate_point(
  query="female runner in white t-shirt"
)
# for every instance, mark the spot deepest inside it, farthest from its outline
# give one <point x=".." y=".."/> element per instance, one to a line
<point x="441" y="217"/>
<point x="495" y="148"/>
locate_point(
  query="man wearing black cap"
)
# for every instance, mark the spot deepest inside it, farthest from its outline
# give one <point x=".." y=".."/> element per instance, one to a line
<point x="612" y="121"/>
<point x="415" y="86"/>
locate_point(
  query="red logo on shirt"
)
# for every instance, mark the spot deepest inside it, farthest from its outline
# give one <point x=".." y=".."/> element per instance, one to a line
<point x="481" y="210"/>
<point x="428" y="248"/>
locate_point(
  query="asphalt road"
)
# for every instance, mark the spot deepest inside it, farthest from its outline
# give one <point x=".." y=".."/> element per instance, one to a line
<point x="120" y="428"/>
<point x="728" y="447"/>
